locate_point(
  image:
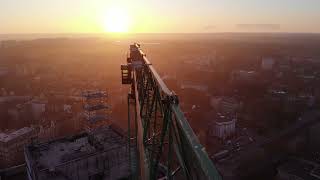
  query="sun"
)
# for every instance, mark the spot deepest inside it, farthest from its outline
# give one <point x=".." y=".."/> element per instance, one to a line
<point x="116" y="20"/>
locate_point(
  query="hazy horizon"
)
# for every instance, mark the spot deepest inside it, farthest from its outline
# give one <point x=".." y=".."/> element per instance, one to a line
<point x="30" y="36"/>
<point x="98" y="16"/>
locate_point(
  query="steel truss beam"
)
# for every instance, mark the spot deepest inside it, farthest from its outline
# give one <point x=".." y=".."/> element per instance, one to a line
<point x="167" y="146"/>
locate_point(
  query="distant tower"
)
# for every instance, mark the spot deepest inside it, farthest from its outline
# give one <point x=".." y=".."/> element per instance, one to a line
<point x="96" y="109"/>
<point x="267" y="63"/>
<point x="223" y="126"/>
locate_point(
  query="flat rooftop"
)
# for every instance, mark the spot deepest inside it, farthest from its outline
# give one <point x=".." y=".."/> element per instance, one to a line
<point x="301" y="168"/>
<point x="224" y="118"/>
<point x="6" y="137"/>
<point x="102" y="152"/>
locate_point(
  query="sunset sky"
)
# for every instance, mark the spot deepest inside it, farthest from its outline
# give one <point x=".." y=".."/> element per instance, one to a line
<point x="159" y="16"/>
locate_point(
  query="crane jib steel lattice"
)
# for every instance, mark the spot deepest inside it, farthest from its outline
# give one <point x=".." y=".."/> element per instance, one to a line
<point x="162" y="145"/>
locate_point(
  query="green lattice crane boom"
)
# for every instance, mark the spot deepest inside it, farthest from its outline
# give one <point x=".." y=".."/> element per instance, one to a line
<point x="162" y="144"/>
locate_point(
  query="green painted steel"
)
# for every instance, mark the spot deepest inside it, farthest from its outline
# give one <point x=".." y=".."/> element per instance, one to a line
<point x="165" y="141"/>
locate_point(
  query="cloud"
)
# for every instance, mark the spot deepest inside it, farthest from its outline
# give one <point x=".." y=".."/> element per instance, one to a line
<point x="259" y="26"/>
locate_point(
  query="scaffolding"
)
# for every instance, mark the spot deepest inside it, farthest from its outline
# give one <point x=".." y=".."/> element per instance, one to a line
<point x="96" y="109"/>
